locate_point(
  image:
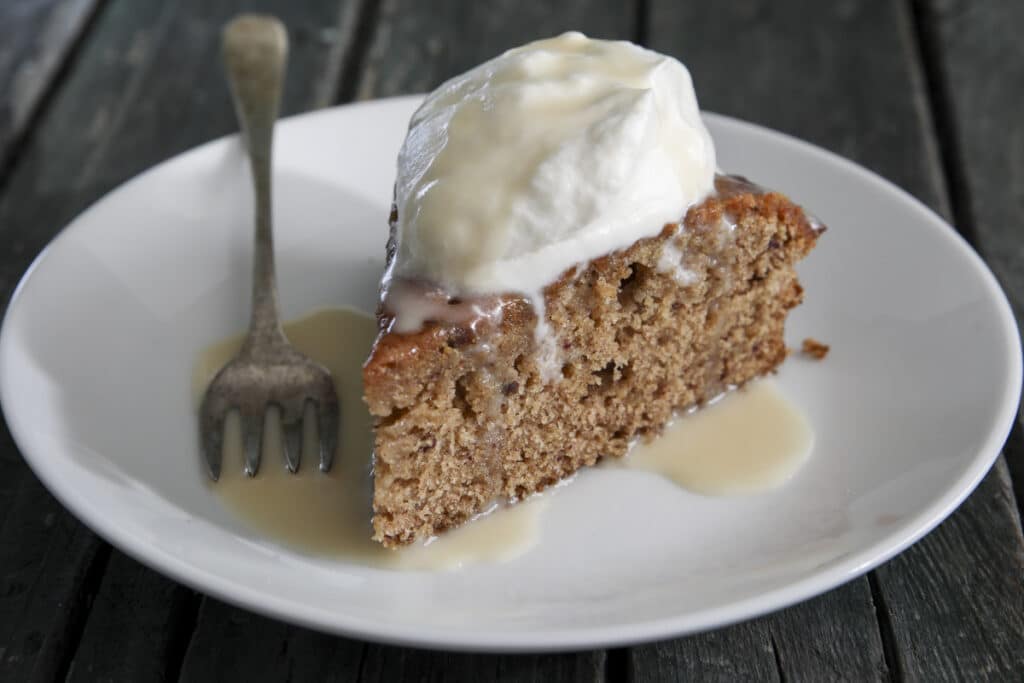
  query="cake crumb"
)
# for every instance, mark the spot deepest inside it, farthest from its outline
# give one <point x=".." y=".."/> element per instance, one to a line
<point x="814" y="348"/>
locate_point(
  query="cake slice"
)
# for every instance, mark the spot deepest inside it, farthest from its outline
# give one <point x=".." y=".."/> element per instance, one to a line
<point x="466" y="418"/>
<point x="485" y="388"/>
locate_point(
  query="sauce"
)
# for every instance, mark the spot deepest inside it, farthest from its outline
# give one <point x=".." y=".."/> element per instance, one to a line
<point x="329" y="514"/>
<point x="751" y="440"/>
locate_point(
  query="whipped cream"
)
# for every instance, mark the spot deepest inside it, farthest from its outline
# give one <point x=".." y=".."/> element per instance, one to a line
<point x="549" y="155"/>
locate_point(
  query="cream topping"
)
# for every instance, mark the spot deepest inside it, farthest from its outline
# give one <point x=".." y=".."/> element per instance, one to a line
<point x="549" y="155"/>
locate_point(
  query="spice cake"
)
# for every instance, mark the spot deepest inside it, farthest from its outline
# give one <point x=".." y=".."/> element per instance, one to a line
<point x="515" y="349"/>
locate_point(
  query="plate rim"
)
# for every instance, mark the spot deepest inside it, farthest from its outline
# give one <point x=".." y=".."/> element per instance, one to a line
<point x="558" y="639"/>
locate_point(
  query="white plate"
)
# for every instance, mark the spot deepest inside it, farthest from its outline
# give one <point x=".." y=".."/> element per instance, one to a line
<point x="910" y="408"/>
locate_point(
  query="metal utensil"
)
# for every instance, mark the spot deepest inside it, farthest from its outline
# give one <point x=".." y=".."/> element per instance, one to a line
<point x="268" y="371"/>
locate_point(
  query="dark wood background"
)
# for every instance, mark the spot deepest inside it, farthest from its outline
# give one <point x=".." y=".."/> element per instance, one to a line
<point x="928" y="93"/>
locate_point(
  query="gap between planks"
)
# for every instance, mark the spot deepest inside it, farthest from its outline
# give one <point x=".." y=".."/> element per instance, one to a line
<point x="11" y="151"/>
<point x="358" y="53"/>
<point x="942" y="119"/>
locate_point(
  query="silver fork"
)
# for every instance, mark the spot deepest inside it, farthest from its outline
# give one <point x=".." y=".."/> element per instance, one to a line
<point x="268" y="371"/>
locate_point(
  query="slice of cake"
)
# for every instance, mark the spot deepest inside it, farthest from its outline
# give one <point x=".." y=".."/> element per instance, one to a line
<point x="566" y="272"/>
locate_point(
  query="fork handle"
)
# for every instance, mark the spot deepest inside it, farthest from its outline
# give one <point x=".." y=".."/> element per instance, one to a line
<point x="255" y="51"/>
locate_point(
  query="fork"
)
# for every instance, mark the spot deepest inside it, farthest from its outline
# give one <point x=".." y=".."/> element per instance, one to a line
<point x="268" y="371"/>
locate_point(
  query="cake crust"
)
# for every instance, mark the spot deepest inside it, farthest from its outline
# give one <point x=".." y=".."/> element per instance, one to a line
<point x="467" y="413"/>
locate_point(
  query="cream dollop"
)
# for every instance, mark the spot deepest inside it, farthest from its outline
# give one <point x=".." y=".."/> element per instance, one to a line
<point x="552" y="154"/>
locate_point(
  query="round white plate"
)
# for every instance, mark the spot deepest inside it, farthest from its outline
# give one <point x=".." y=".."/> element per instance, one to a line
<point x="910" y="408"/>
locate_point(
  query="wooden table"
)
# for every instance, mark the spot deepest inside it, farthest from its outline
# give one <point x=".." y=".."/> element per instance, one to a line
<point x="929" y="94"/>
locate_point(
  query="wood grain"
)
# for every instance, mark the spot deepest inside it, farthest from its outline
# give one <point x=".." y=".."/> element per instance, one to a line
<point x="382" y="664"/>
<point x="416" y="46"/>
<point x="234" y="645"/>
<point x="804" y="68"/>
<point x="956" y="598"/>
<point x="51" y="565"/>
<point x="978" y="62"/>
<point x="137" y="627"/>
<point x="743" y="652"/>
<point x="36" y="36"/>
<point x="145" y="85"/>
<point x="833" y="637"/>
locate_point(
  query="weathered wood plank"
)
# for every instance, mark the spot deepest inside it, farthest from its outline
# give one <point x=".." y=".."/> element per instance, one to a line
<point x="743" y="652"/>
<point x="230" y="644"/>
<point x="35" y="38"/>
<point x="149" y="87"/>
<point x="145" y="85"/>
<point x="978" y="62"/>
<point x="383" y="664"/>
<point x="833" y="637"/>
<point x="804" y="68"/>
<point x="417" y="45"/>
<point x="177" y="97"/>
<point x="956" y="599"/>
<point x="50" y="567"/>
<point x="137" y="629"/>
